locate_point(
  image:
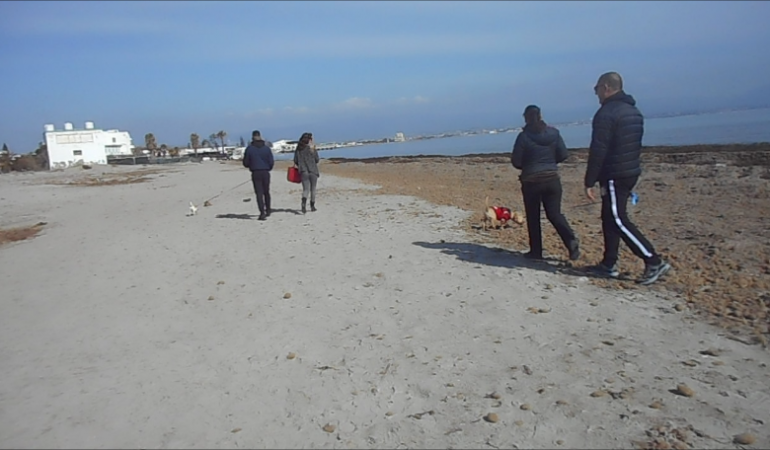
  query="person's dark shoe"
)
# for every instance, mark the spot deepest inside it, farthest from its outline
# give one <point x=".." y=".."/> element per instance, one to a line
<point x="268" y="212"/>
<point x="653" y="272"/>
<point x="574" y="251"/>
<point x="533" y="256"/>
<point x="601" y="270"/>
<point x="304" y="202"/>
<point x="312" y="206"/>
<point x="262" y="216"/>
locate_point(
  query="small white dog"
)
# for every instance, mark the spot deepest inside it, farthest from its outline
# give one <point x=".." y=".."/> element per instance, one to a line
<point x="193" y="209"/>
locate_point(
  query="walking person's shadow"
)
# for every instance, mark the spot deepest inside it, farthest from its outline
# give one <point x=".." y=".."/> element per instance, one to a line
<point x="254" y="216"/>
<point x="499" y="257"/>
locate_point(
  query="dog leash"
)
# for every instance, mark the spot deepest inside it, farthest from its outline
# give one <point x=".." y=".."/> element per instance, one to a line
<point x="208" y="202"/>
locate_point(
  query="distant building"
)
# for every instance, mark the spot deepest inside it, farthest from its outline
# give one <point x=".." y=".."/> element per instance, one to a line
<point x="70" y="147"/>
<point x="399" y="137"/>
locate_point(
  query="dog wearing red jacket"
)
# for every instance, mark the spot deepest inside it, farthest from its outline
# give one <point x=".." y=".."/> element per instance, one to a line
<point x="497" y="216"/>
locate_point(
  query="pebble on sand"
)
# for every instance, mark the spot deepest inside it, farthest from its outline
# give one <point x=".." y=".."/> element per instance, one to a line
<point x="744" y="439"/>
<point x="491" y="418"/>
<point x="287" y="295"/>
<point x="683" y="389"/>
<point x="329" y="428"/>
<point x="657" y="404"/>
<point x="291" y="355"/>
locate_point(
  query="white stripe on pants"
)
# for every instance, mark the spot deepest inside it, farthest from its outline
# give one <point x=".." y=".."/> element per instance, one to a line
<point x="619" y="223"/>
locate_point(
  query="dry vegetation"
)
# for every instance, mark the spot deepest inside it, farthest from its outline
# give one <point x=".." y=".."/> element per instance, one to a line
<point x="705" y="208"/>
<point x="108" y="179"/>
<point x="20" y="233"/>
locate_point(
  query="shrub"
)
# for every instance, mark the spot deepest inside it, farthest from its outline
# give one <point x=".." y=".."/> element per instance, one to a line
<point x="27" y="163"/>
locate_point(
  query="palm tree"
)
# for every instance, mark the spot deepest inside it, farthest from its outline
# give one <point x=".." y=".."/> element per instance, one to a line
<point x="222" y="135"/>
<point x="195" y="142"/>
<point x="205" y="143"/>
<point x="213" y="140"/>
<point x="242" y="142"/>
<point x="149" y="142"/>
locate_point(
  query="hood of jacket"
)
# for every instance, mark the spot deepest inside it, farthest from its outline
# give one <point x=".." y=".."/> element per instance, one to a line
<point x="258" y="144"/>
<point x="620" y="97"/>
<point x="545" y="138"/>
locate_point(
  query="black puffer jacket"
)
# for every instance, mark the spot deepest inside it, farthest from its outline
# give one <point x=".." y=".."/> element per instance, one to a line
<point x="538" y="152"/>
<point x="616" y="141"/>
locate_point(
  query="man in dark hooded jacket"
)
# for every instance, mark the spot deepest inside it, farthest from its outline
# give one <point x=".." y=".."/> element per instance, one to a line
<point x="258" y="158"/>
<point x="614" y="162"/>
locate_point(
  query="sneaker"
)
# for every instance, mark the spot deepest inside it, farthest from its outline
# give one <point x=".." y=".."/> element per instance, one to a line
<point x="262" y="217"/>
<point x="574" y="251"/>
<point x="268" y="212"/>
<point x="533" y="256"/>
<point x="652" y="273"/>
<point x="602" y="270"/>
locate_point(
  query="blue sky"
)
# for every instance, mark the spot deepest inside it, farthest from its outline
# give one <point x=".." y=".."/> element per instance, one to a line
<point x="354" y="70"/>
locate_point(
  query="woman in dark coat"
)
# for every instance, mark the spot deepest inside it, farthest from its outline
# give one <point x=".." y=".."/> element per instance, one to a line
<point x="306" y="160"/>
<point x="538" y="150"/>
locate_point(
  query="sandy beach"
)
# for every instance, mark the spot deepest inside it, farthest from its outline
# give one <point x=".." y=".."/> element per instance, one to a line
<point x="383" y="320"/>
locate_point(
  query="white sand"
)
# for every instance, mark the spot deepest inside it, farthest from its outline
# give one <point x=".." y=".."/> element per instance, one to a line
<point x="109" y="339"/>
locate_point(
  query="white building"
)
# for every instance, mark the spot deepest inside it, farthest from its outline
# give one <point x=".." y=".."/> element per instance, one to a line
<point x="88" y="146"/>
<point x="399" y="137"/>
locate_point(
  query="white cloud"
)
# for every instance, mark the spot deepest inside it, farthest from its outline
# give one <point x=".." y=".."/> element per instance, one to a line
<point x="417" y="99"/>
<point x="355" y="103"/>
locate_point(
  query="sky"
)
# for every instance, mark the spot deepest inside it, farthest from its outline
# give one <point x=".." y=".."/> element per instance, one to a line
<point x="363" y="70"/>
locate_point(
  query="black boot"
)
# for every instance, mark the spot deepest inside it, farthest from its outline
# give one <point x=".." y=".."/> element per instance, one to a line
<point x="304" y="202"/>
<point x="574" y="250"/>
<point x="312" y="206"/>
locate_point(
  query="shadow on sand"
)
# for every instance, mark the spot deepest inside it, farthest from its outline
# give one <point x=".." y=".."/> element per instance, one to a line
<point x="236" y="216"/>
<point x="296" y="212"/>
<point x="254" y="216"/>
<point x="499" y="257"/>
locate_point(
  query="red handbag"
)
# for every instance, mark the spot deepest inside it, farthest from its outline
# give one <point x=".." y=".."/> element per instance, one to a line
<point x="293" y="175"/>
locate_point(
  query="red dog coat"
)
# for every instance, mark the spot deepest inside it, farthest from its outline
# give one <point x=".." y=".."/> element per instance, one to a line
<point x="503" y="214"/>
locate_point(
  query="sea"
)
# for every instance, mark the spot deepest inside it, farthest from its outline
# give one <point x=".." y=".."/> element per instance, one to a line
<point x="728" y="127"/>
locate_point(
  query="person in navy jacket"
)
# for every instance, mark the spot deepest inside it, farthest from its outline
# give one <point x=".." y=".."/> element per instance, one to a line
<point x="258" y="158"/>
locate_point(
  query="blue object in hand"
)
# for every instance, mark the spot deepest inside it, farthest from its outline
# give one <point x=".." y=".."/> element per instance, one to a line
<point x="634" y="198"/>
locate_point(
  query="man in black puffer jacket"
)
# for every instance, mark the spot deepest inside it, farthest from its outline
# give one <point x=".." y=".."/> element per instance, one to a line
<point x="614" y="162"/>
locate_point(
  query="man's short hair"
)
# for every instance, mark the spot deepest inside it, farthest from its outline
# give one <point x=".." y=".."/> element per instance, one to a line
<point x="613" y="80"/>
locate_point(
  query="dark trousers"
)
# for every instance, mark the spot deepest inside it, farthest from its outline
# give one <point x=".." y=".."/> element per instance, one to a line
<point x="547" y="193"/>
<point x="616" y="225"/>
<point x="261" y="181"/>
